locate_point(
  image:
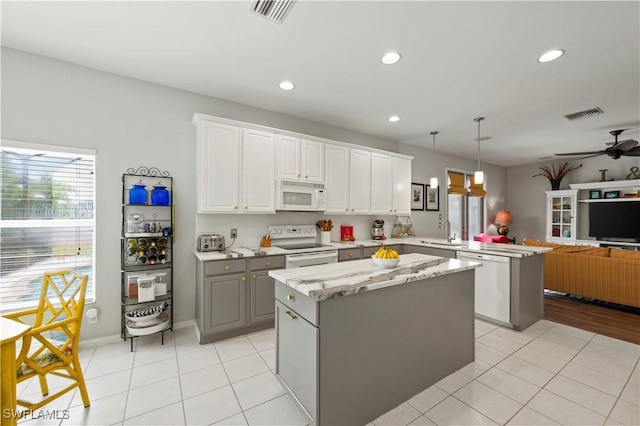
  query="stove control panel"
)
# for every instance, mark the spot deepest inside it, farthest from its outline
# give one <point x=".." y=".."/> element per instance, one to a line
<point x="291" y="231"/>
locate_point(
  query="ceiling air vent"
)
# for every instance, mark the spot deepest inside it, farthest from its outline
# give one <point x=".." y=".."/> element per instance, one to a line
<point x="584" y="114"/>
<point x="273" y="10"/>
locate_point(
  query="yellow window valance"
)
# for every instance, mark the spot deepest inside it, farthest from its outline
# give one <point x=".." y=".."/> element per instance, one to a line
<point x="476" y="190"/>
<point x="456" y="184"/>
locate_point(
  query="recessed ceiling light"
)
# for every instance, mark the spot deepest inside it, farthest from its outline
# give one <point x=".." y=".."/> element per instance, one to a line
<point x="390" y="58"/>
<point x="551" y="55"/>
<point x="394" y="118"/>
<point x="286" y="85"/>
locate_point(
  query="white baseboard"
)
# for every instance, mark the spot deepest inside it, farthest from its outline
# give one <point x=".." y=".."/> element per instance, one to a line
<point x="116" y="338"/>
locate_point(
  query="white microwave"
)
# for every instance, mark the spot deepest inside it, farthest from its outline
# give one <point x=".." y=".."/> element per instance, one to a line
<point x="299" y="196"/>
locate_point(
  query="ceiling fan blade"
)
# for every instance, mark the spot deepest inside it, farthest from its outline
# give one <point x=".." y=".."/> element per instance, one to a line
<point x="583" y="153"/>
<point x="624" y="145"/>
<point x="633" y="152"/>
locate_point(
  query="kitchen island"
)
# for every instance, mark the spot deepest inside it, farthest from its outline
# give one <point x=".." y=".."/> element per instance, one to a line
<point x="354" y="340"/>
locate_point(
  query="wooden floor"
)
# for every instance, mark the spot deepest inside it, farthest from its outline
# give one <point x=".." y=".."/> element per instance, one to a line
<point x="613" y="321"/>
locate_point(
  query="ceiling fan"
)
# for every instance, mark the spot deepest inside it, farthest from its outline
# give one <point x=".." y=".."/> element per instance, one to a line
<point x="616" y="150"/>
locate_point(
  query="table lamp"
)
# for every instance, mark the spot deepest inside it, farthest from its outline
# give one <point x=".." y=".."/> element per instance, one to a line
<point x="503" y="218"/>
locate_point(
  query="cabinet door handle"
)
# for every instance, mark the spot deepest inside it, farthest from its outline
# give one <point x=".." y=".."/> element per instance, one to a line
<point x="268" y="263"/>
<point x="235" y="207"/>
<point x="227" y="267"/>
<point x="254" y="276"/>
<point x="246" y="207"/>
<point x="243" y="278"/>
<point x="290" y="315"/>
<point x="350" y="254"/>
<point x="290" y="297"/>
<point x="298" y="174"/>
<point x="306" y="177"/>
<point x="351" y="209"/>
<point x="346" y="210"/>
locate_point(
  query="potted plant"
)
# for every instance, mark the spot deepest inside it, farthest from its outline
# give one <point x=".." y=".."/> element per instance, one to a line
<point x="556" y="172"/>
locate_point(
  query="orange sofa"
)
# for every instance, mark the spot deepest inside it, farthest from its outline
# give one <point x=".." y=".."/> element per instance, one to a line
<point x="602" y="273"/>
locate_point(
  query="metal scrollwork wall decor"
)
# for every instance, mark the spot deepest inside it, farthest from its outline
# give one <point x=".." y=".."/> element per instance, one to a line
<point x="634" y="173"/>
<point x="147" y="171"/>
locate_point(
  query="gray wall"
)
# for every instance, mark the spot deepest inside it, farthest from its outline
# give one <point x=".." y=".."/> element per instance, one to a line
<point x="132" y="123"/>
<point x="526" y="197"/>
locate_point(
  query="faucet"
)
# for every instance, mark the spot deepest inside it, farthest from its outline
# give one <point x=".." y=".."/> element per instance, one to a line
<point x="446" y="225"/>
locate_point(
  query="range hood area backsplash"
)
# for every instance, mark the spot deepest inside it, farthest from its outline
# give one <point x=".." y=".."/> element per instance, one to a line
<point x="251" y="227"/>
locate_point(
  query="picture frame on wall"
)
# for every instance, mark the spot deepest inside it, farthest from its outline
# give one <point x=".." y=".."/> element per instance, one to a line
<point x="595" y="194"/>
<point x="432" y="198"/>
<point x="417" y="196"/>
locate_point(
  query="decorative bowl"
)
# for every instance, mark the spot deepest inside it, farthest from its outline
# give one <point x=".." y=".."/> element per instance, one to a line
<point x="385" y="263"/>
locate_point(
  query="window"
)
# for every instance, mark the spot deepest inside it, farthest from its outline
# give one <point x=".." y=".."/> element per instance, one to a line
<point x="47" y="220"/>
<point x="465" y="210"/>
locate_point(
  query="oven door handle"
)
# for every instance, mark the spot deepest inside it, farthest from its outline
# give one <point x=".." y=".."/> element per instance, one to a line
<point x="322" y="255"/>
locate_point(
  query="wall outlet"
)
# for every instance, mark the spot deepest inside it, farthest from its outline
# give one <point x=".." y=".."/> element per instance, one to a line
<point x="234" y="233"/>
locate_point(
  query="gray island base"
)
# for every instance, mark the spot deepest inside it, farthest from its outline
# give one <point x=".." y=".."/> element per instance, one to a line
<point x="348" y="353"/>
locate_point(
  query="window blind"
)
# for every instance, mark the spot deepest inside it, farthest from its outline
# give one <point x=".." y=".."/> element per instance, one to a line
<point x="47" y="220"/>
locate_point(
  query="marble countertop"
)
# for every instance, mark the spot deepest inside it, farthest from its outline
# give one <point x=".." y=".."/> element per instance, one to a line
<point x="324" y="282"/>
<point x="509" y="250"/>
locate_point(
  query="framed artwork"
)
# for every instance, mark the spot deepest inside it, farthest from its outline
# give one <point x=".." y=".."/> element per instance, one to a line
<point x="417" y="196"/>
<point x="432" y="198"/>
<point x="612" y="194"/>
<point x="595" y="194"/>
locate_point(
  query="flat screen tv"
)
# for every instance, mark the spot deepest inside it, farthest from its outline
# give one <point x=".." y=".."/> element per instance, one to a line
<point x="614" y="219"/>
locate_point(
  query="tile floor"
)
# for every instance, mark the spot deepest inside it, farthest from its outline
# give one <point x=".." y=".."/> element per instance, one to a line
<point x="549" y="374"/>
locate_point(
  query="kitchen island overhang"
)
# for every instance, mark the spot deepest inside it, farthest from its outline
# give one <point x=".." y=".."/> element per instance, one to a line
<point x="353" y="340"/>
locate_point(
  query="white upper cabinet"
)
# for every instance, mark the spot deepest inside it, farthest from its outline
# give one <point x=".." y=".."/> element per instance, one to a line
<point x="359" y="181"/>
<point x="300" y="159"/>
<point x="258" y="171"/>
<point x="235" y="169"/>
<point x="381" y="184"/>
<point x="218" y="167"/>
<point x="401" y="185"/>
<point x="337" y="182"/>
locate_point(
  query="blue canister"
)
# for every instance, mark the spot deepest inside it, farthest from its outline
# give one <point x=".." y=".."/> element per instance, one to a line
<point x="138" y="194"/>
<point x="159" y="196"/>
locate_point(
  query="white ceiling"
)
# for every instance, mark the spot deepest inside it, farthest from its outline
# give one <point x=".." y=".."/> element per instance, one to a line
<point x="460" y="60"/>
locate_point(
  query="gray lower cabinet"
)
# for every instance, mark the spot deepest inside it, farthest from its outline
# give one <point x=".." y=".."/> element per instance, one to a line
<point x="350" y="254"/>
<point x="235" y="296"/>
<point x="451" y="254"/>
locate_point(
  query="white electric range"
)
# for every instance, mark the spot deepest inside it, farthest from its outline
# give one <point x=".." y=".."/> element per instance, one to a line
<point x="302" y="240"/>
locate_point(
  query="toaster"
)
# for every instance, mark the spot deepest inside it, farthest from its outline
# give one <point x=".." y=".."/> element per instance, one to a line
<point x="210" y="242"/>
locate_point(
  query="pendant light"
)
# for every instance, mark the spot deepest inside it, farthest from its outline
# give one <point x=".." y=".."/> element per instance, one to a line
<point x="433" y="183"/>
<point x="478" y="176"/>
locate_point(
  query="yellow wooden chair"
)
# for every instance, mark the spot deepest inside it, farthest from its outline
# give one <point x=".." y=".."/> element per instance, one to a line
<point x="51" y="347"/>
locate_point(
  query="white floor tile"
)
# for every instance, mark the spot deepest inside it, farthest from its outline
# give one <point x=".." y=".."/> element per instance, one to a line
<point x="203" y="380"/>
<point x="488" y="354"/>
<point x="588" y="397"/>
<point x="474" y="369"/>
<point x="453" y="382"/>
<point x="499" y="343"/>
<point x="111" y="349"/>
<point x="171" y="415"/>
<point x="526" y="371"/>
<point x="591" y="359"/>
<point x="539" y="328"/>
<point x="428" y="398"/>
<point x="421" y="421"/>
<point x="551" y="348"/>
<point x="567" y="330"/>
<point x="263" y="340"/>
<point x="269" y="357"/>
<point x="281" y="411"/>
<point x="626" y="413"/>
<point x="155" y="372"/>
<point x="194" y="361"/>
<point x="563" y="411"/>
<point x="635" y="376"/>
<point x="560" y="338"/>
<point x="528" y="417"/>
<point x="489" y="402"/>
<point x="105" y="411"/>
<point x="617" y="344"/>
<point x="237" y="420"/>
<point x="245" y="367"/>
<point x="509" y="385"/>
<point x="102" y="366"/>
<point x="541" y="359"/>
<point x="152" y="397"/>
<point x="104" y="386"/>
<point x="513" y="335"/>
<point x="211" y="407"/>
<point x="451" y="411"/>
<point x="616" y="352"/>
<point x="234" y="348"/>
<point x="593" y="378"/>
<point x="631" y="394"/>
<point x="151" y="353"/>
<point x="401" y="415"/>
<point x="258" y="389"/>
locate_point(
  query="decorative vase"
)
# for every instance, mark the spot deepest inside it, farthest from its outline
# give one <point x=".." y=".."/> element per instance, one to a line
<point x="555" y="184"/>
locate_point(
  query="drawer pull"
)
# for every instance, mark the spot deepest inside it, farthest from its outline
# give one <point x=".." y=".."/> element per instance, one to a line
<point x="350" y="255"/>
<point x="254" y="276"/>
<point x="243" y="278"/>
<point x="290" y="297"/>
<point x="268" y="263"/>
<point x="227" y="267"/>
<point x="290" y="315"/>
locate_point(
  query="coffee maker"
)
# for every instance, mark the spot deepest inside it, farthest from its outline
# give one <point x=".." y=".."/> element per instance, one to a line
<point x="377" y="229"/>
